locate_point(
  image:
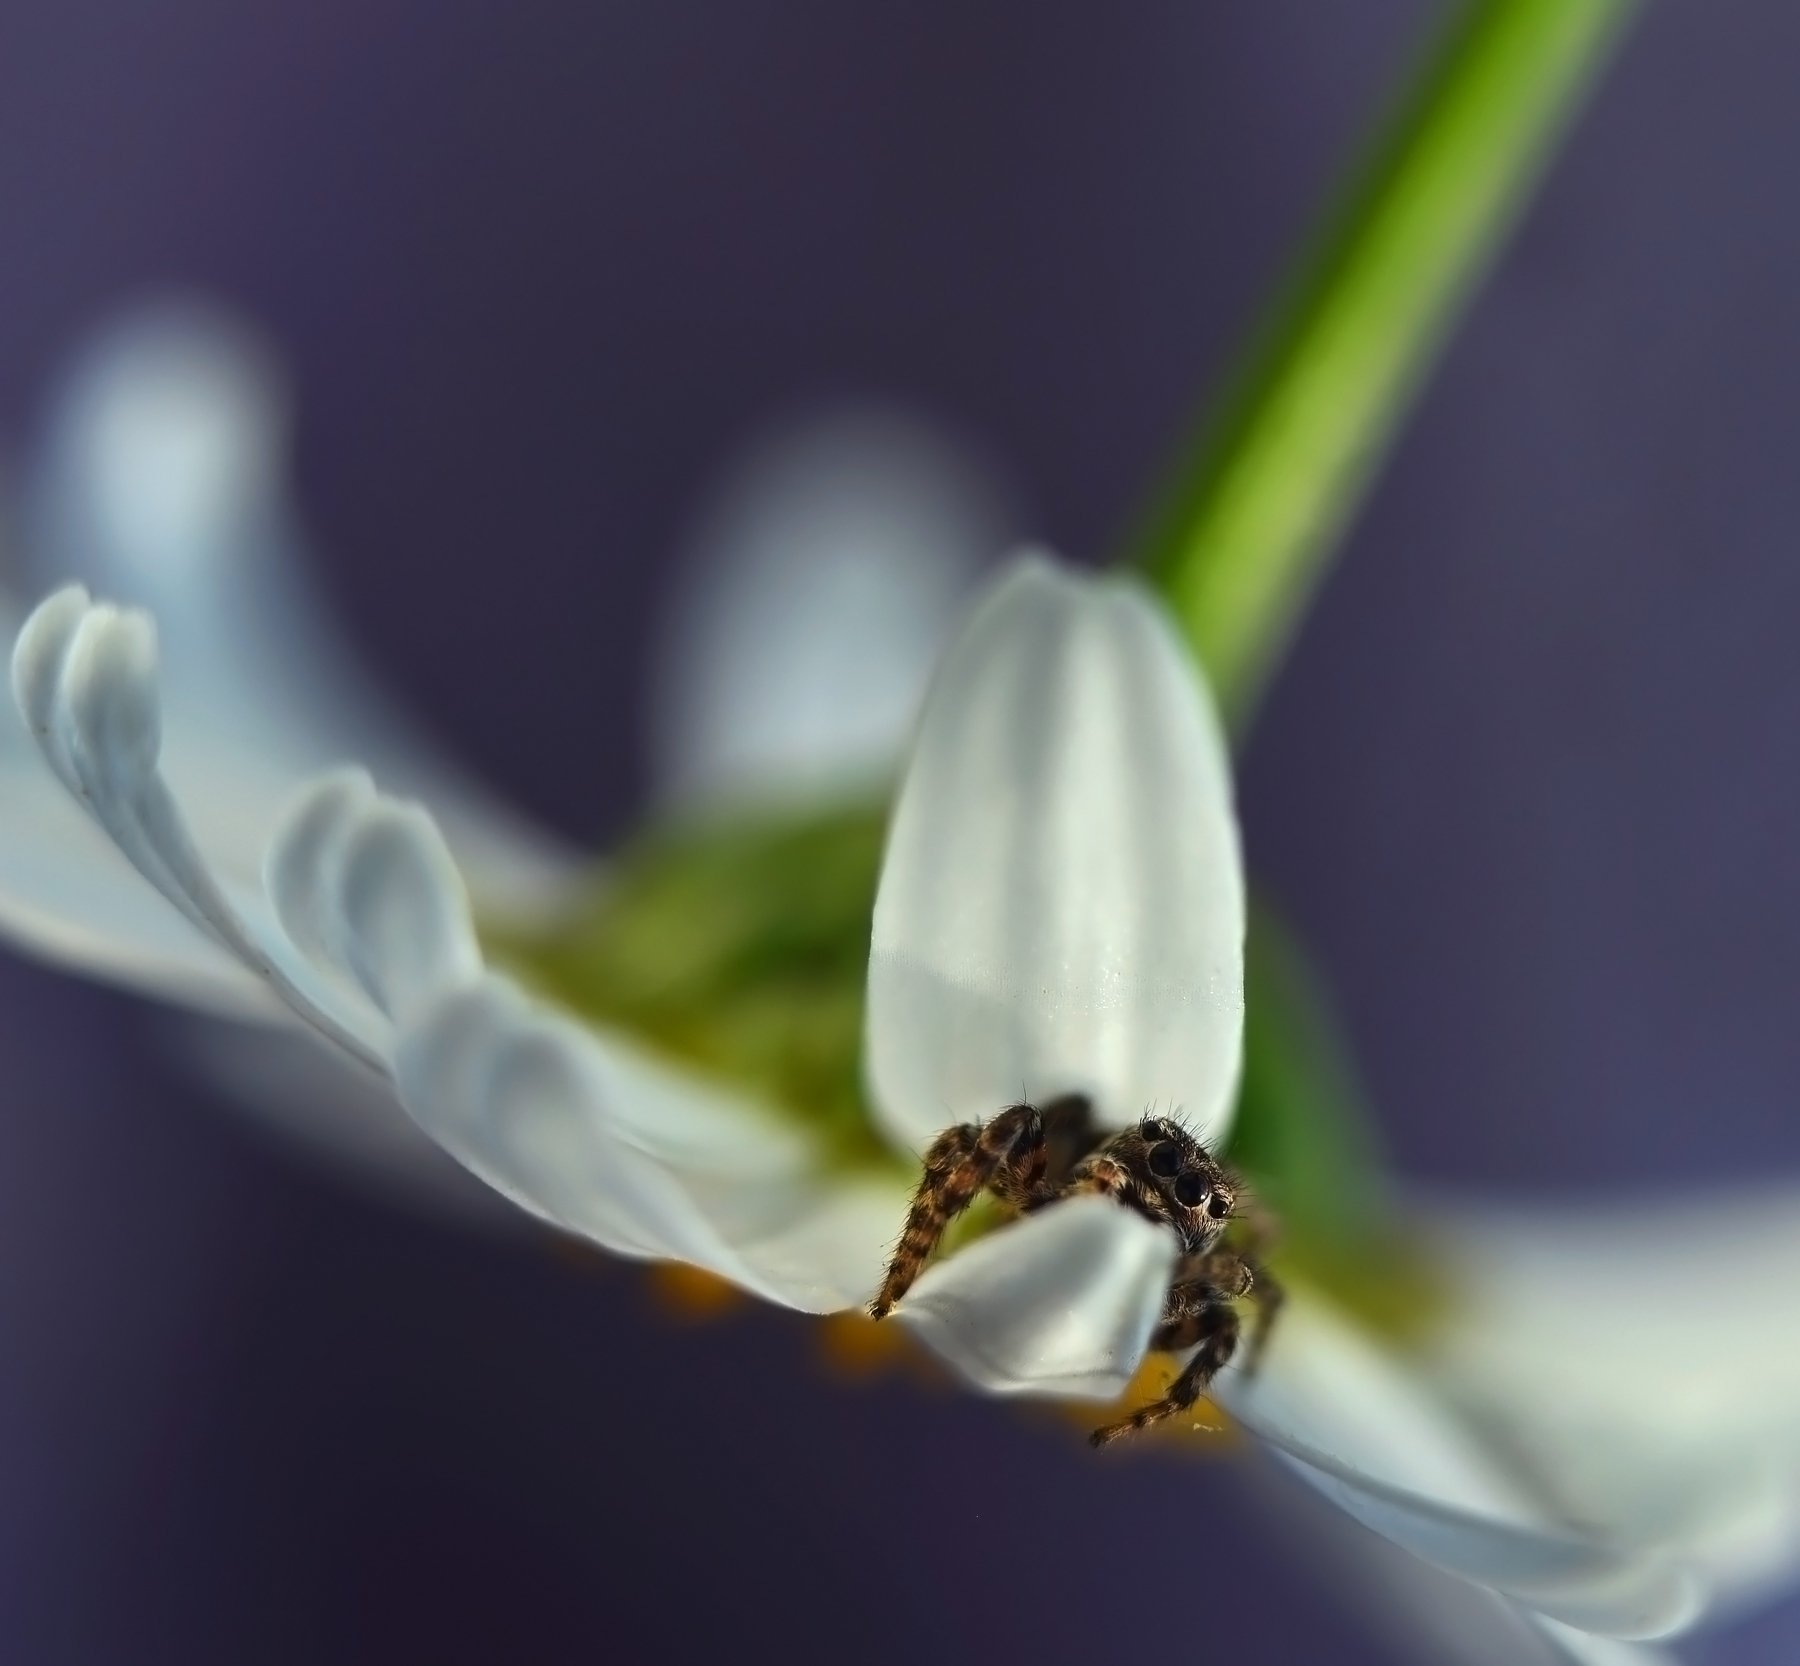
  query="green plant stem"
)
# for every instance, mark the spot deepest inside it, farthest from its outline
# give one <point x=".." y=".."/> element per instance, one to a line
<point x="1241" y="536"/>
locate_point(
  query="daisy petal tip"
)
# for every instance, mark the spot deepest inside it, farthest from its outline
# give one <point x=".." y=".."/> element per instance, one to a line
<point x="318" y="812"/>
<point x="406" y="908"/>
<point x="1034" y="565"/>
<point x="445" y="1055"/>
<point x="303" y="848"/>
<point x="110" y="687"/>
<point x="40" y="651"/>
<point x="366" y="884"/>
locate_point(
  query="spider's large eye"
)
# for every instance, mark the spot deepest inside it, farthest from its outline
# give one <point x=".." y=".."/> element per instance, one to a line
<point x="1165" y="1159"/>
<point x="1218" y="1206"/>
<point x="1189" y="1190"/>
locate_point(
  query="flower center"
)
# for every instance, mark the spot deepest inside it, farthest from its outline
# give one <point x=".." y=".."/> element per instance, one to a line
<point x="740" y="949"/>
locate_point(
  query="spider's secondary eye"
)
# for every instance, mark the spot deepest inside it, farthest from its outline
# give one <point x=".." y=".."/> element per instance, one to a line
<point x="1189" y="1190"/>
<point x="1155" y="1131"/>
<point x="1165" y="1159"/>
<point x="1218" y="1206"/>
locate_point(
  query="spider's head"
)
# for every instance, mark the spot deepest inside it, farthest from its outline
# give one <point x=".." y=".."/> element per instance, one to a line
<point x="1196" y="1193"/>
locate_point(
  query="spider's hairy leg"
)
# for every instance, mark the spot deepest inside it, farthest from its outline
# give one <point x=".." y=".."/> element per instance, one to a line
<point x="1214" y="1327"/>
<point x="1266" y="1295"/>
<point x="1100" y="1176"/>
<point x="1069" y="1136"/>
<point x="1006" y="1153"/>
<point x="1218" y="1275"/>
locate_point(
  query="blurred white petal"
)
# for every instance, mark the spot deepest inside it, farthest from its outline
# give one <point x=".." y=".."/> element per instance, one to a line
<point x="1059" y="1303"/>
<point x="1355" y="1424"/>
<point x="1581" y="1648"/>
<point x="1433" y="1617"/>
<point x="365" y="885"/>
<point x="163" y="481"/>
<point x="1658" y="1388"/>
<point x="313" y="1099"/>
<point x="821" y="586"/>
<point x="1061" y="904"/>
<point x="559" y="1119"/>
<point x="67" y="895"/>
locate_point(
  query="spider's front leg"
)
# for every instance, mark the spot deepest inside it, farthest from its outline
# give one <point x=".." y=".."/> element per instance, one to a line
<point x="1005" y="1153"/>
<point x="1210" y="1327"/>
<point x="1233" y="1275"/>
<point x="1198" y="1314"/>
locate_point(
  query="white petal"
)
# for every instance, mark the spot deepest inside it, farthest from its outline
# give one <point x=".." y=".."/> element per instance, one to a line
<point x="591" y="1135"/>
<point x="165" y="447"/>
<point x="1060" y="1303"/>
<point x="1435" y="1618"/>
<point x="163" y="482"/>
<point x="367" y="884"/>
<point x="68" y="895"/>
<point x="1061" y="903"/>
<point x="1355" y="1425"/>
<point x="1580" y="1648"/>
<point x="85" y="678"/>
<point x="314" y="1100"/>
<point x="1661" y="1397"/>
<point x="64" y="889"/>
<point x="822" y="585"/>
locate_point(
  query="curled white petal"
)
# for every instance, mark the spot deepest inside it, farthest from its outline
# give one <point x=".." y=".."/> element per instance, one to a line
<point x="1061" y="1303"/>
<point x="367" y="884"/>
<point x="1061" y="904"/>
<point x="64" y="887"/>
<point x="89" y="696"/>
<point x="304" y="850"/>
<point x="66" y="891"/>
<point x="41" y="647"/>
<point x="1357" y="1427"/>
<point x="110" y="680"/>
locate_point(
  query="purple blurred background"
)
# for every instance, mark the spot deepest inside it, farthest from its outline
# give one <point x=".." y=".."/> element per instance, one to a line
<point x="538" y="271"/>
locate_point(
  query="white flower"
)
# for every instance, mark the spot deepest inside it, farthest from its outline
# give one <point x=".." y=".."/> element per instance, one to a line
<point x="1061" y="907"/>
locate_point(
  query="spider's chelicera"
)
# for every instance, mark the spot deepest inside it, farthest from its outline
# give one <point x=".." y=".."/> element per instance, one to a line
<point x="1029" y="1156"/>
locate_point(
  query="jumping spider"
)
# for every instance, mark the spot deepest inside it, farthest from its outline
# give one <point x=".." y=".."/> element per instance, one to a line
<point x="1028" y="1157"/>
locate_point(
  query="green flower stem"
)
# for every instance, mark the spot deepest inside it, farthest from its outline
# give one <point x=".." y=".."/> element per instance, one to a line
<point x="1242" y="534"/>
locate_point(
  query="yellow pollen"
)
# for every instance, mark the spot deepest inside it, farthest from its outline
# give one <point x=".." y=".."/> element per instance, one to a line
<point x="1203" y="1426"/>
<point x="856" y="1347"/>
<point x="692" y="1292"/>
